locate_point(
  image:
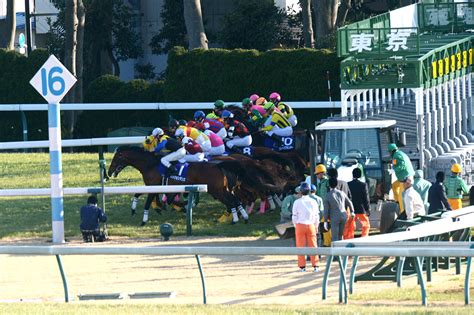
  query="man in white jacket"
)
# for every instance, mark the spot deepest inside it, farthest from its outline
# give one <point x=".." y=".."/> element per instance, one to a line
<point x="305" y="218"/>
<point x="411" y="200"/>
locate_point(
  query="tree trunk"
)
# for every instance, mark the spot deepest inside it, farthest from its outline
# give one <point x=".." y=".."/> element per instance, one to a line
<point x="326" y="15"/>
<point x="11" y="24"/>
<point x="194" y="25"/>
<point x="78" y="89"/>
<point x="346" y="5"/>
<point x="307" y="23"/>
<point x="70" y="59"/>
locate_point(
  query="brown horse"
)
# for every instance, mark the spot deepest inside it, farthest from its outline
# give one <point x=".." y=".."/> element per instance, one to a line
<point x="209" y="174"/>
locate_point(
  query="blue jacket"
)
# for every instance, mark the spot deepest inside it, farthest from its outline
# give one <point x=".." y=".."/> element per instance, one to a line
<point x="91" y="215"/>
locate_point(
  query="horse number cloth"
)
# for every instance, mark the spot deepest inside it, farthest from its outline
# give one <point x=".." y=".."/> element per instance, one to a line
<point x="182" y="171"/>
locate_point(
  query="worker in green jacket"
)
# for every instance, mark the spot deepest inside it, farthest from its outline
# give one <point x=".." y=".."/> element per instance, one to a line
<point x="455" y="187"/>
<point x="287" y="206"/>
<point x="422" y="186"/>
<point x="403" y="169"/>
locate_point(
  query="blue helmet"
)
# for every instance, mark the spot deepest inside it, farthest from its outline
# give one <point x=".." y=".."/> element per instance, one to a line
<point x="226" y="114"/>
<point x="313" y="187"/>
<point x="198" y="115"/>
<point x="305" y="187"/>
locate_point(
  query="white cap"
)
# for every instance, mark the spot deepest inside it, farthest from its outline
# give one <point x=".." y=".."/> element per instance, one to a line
<point x="157" y="132"/>
<point x="186" y="140"/>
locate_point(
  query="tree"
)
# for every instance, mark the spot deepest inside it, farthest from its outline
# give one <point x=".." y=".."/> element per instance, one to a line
<point x="194" y="25"/>
<point x="307" y="23"/>
<point x="326" y="15"/>
<point x="253" y="24"/>
<point x="173" y="32"/>
<point x="11" y="24"/>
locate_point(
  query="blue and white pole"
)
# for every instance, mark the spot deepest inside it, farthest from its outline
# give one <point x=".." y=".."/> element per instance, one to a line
<point x="56" y="171"/>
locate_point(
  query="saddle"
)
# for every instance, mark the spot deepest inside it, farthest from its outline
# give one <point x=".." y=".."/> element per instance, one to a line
<point x="280" y="144"/>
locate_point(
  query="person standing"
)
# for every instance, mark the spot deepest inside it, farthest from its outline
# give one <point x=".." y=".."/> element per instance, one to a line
<point x="422" y="186"/>
<point x="91" y="216"/>
<point x="335" y="207"/>
<point x="437" y="195"/>
<point x="360" y="200"/>
<point x="286" y="213"/>
<point x="403" y="168"/>
<point x="412" y="200"/>
<point x="455" y="187"/>
<point x="306" y="219"/>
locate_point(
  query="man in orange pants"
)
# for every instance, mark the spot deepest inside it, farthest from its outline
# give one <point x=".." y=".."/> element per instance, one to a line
<point x="305" y="218"/>
<point x="360" y="200"/>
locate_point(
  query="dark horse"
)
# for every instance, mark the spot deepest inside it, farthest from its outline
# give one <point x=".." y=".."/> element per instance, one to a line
<point x="209" y="174"/>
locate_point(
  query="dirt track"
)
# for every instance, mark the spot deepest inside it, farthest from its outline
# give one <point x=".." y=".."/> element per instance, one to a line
<point x="229" y="279"/>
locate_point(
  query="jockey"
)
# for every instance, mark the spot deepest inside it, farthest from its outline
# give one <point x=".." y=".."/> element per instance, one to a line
<point x="253" y="98"/>
<point x="212" y="124"/>
<point x="193" y="150"/>
<point x="150" y="142"/>
<point x="284" y="108"/>
<point x="246" y="104"/>
<point x="278" y="125"/>
<point x="237" y="133"/>
<point x="173" y="124"/>
<point x="171" y="145"/>
<point x="260" y="101"/>
<point x="182" y="122"/>
<point x="194" y="134"/>
<point x="218" y="107"/>
<point x="217" y="145"/>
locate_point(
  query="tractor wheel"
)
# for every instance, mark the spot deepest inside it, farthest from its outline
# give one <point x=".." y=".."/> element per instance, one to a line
<point x="389" y="214"/>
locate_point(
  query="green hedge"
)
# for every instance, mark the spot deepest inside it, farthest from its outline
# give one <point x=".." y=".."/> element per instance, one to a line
<point x="207" y="75"/>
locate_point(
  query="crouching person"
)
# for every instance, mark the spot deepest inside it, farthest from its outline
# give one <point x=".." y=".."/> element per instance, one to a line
<point x="91" y="216"/>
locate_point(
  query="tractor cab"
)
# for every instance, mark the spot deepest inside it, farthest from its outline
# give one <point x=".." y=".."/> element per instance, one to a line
<point x="345" y="145"/>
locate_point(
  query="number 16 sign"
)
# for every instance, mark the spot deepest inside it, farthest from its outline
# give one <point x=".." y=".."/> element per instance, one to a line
<point x="53" y="80"/>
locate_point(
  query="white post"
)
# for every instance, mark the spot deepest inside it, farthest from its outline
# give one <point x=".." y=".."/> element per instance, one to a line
<point x="384" y="104"/>
<point x="364" y="103"/>
<point x="358" y="105"/>
<point x="352" y="106"/>
<point x="419" y="124"/>
<point x="56" y="171"/>
<point x="389" y="98"/>
<point x="428" y="119"/>
<point x="343" y="103"/>
<point x="465" y="118"/>
<point x="371" y="102"/>
<point x="434" y="115"/>
<point x="377" y="101"/>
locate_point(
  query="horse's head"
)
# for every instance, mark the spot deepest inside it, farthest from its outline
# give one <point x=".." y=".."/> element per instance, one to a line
<point x="123" y="157"/>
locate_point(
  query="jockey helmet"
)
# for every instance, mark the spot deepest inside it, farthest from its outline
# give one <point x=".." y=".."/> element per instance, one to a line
<point x="219" y="104"/>
<point x="456" y="168"/>
<point x="391" y="147"/>
<point x="227" y="114"/>
<point x="268" y="106"/>
<point x="254" y="97"/>
<point x="320" y="168"/>
<point x="261" y="101"/>
<point x="246" y="102"/>
<point x="179" y="133"/>
<point x="182" y="122"/>
<point x="157" y="132"/>
<point x="275" y="97"/>
<point x="198" y="115"/>
<point x="173" y="123"/>
<point x="212" y="116"/>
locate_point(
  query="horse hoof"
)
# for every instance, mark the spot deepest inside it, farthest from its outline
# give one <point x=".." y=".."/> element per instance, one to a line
<point x="143" y="224"/>
<point x="133" y="213"/>
<point x="233" y="223"/>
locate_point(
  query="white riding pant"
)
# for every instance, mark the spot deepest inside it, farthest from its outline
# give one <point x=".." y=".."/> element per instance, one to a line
<point x="204" y="143"/>
<point x="239" y="142"/>
<point x="293" y="120"/>
<point x="173" y="156"/>
<point x="222" y="133"/>
<point x="196" y="157"/>
<point x="282" y="132"/>
<point x="217" y="150"/>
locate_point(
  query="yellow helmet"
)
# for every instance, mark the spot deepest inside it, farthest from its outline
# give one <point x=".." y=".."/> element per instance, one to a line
<point x="320" y="168"/>
<point x="456" y="168"/>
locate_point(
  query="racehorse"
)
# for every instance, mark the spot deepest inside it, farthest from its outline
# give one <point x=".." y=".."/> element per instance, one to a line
<point x="209" y="174"/>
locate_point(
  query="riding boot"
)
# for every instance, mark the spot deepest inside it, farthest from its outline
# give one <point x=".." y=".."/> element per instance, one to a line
<point x="262" y="207"/>
<point x="235" y="217"/>
<point x="277" y="200"/>
<point x="244" y="214"/>
<point x="145" y="217"/>
<point x="272" y="204"/>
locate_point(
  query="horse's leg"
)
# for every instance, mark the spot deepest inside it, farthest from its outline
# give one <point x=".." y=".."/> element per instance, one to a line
<point x="133" y="206"/>
<point x="243" y="213"/>
<point x="277" y="200"/>
<point x="262" y="206"/>
<point x="149" y="199"/>
<point x="271" y="203"/>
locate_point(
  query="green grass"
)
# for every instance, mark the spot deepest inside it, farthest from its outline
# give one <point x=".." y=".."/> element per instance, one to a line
<point x="89" y="308"/>
<point x="31" y="216"/>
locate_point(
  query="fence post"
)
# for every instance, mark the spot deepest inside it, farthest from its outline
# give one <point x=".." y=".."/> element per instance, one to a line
<point x="63" y="277"/>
